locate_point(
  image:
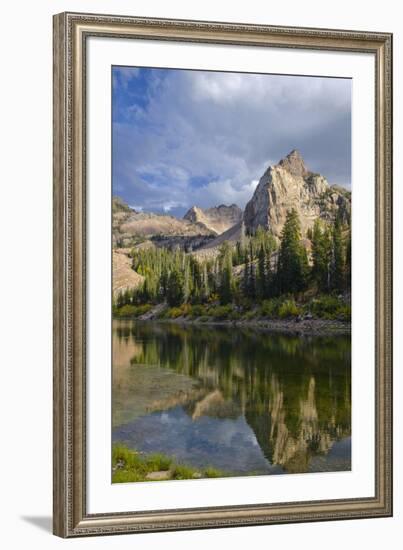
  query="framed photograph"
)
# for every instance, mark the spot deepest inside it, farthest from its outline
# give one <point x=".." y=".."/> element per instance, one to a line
<point x="222" y="274"/>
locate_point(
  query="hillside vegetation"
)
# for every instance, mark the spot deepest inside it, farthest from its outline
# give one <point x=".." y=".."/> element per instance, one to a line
<point x="256" y="275"/>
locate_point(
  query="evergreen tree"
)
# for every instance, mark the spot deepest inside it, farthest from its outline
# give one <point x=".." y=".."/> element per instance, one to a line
<point x="328" y="247"/>
<point x="320" y="256"/>
<point x="270" y="246"/>
<point x="163" y="282"/>
<point x="270" y="290"/>
<point x="292" y="262"/>
<point x="248" y="286"/>
<point x="260" y="237"/>
<point x="186" y="282"/>
<point x="245" y="280"/>
<point x="252" y="279"/>
<point x="181" y="277"/>
<point x="205" y="283"/>
<point x="242" y="243"/>
<point x="175" y="288"/>
<point x="261" y="274"/>
<point x="119" y="299"/>
<point x="347" y="280"/>
<point x="226" y="286"/>
<point x="236" y="257"/>
<point x="338" y="263"/>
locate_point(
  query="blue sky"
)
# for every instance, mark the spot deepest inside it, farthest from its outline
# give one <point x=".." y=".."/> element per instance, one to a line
<point x="185" y="137"/>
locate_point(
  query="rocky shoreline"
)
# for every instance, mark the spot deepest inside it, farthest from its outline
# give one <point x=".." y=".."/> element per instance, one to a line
<point x="290" y="326"/>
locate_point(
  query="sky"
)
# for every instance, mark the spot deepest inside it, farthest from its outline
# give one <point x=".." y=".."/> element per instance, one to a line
<point x="182" y="137"/>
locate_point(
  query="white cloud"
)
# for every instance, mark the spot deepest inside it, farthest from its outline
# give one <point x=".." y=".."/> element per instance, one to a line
<point x="224" y="191"/>
<point x="222" y="130"/>
<point x="168" y="206"/>
<point x="123" y="75"/>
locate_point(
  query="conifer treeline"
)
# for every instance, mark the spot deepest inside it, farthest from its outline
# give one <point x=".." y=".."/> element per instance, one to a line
<point x="254" y="269"/>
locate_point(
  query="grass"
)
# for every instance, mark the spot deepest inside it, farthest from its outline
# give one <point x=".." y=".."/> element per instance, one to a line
<point x="212" y="472"/>
<point x="127" y="476"/>
<point x="330" y="307"/>
<point x="287" y="307"/>
<point x="158" y="462"/>
<point x="180" y="471"/>
<point x="128" y="310"/>
<point x="129" y="466"/>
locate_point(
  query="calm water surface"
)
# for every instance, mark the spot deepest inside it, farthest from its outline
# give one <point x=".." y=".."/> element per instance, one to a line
<point x="242" y="400"/>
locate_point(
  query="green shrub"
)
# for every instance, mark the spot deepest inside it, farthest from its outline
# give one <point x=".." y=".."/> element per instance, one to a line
<point x="212" y="472"/>
<point x="288" y="309"/>
<point x="221" y="312"/>
<point x="141" y="310"/>
<point x="181" y="471"/>
<point x="158" y="462"/>
<point x="126" y="311"/>
<point x="129" y="310"/>
<point x="269" y="308"/>
<point x="173" y="313"/>
<point x="213" y="298"/>
<point x="129" y="465"/>
<point x="197" y="311"/>
<point x="344" y="313"/>
<point x="280" y="308"/>
<point x="244" y="303"/>
<point x="186" y="309"/>
<point x="250" y="315"/>
<point x="163" y="313"/>
<point x="127" y="476"/>
<point x="183" y="310"/>
<point x="330" y="307"/>
<point x="234" y="315"/>
<point x="125" y="456"/>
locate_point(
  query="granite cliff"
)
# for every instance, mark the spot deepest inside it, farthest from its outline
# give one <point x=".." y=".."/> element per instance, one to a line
<point x="290" y="185"/>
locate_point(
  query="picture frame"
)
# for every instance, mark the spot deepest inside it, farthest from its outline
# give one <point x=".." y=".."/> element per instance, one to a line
<point x="72" y="32"/>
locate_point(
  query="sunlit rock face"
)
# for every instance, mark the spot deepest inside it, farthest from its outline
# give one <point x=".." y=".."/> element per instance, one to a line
<point x="290" y="185"/>
<point x="217" y="218"/>
<point x="124" y="277"/>
<point x="130" y="227"/>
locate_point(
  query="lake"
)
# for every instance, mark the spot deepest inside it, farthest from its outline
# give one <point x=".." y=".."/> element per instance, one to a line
<point x="245" y="401"/>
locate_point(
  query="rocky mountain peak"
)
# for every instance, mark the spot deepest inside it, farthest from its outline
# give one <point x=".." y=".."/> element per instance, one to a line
<point x="294" y="164"/>
<point x="192" y="213"/>
<point x="290" y="185"/>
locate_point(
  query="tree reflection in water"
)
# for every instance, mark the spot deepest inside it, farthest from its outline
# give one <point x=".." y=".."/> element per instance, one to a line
<point x="292" y="393"/>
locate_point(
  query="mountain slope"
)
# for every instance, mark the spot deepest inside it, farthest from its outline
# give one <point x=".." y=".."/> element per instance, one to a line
<point x="217" y="219"/>
<point x="129" y="226"/>
<point x="211" y="248"/>
<point x="124" y="277"/>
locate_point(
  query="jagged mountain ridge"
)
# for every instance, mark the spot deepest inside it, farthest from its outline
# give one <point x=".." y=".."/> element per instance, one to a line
<point x="129" y="225"/>
<point x="290" y="185"/>
<point x="196" y="228"/>
<point x="283" y="186"/>
<point x="217" y="218"/>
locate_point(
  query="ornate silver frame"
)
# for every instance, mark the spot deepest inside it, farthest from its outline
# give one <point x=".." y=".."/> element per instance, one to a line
<point x="71" y="31"/>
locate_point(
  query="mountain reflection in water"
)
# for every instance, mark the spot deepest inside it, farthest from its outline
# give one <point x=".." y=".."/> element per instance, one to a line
<point x="242" y="400"/>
